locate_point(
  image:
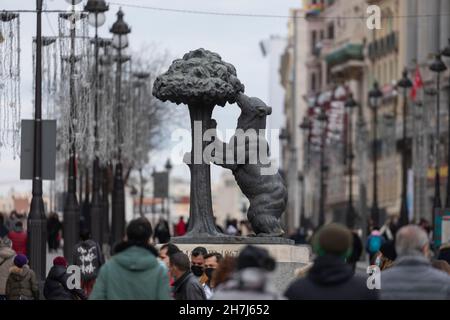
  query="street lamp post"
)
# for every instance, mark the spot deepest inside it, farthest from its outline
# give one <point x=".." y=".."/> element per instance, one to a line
<point x="322" y="118"/>
<point x="37" y="228"/>
<point x="350" y="104"/>
<point x="71" y="225"/>
<point x="437" y="66"/>
<point x="120" y="30"/>
<point x="168" y="168"/>
<point x="96" y="18"/>
<point x="404" y="83"/>
<point x="305" y="126"/>
<point x="375" y="96"/>
<point x="446" y="53"/>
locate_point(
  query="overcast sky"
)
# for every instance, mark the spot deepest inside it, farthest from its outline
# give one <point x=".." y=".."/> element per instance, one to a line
<point x="235" y="38"/>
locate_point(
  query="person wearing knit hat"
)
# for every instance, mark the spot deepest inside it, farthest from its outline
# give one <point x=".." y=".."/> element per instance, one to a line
<point x="21" y="283"/>
<point x="331" y="277"/>
<point x="55" y="287"/>
<point x="60" y="261"/>
<point x="20" y="260"/>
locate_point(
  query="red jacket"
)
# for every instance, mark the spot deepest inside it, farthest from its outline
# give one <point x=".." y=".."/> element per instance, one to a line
<point x="19" y="241"/>
<point x="180" y="229"/>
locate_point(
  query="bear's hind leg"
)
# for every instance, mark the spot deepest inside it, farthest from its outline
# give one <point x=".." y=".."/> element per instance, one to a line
<point x="265" y="225"/>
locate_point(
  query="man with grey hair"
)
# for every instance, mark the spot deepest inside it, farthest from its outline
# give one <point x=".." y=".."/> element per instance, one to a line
<point x="412" y="277"/>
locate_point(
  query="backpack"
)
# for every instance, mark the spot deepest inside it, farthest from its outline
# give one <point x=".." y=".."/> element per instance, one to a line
<point x="374" y="244"/>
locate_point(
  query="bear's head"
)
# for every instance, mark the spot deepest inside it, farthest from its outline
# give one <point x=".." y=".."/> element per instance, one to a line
<point x="253" y="113"/>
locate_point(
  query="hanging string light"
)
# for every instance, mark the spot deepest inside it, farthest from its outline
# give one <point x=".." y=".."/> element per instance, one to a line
<point x="10" y="104"/>
<point x="81" y="120"/>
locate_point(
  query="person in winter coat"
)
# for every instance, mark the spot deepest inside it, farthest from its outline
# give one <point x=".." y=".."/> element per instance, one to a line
<point x="412" y="276"/>
<point x="133" y="272"/>
<point x="373" y="245"/>
<point x="251" y="279"/>
<point x="3" y="228"/>
<point x="6" y="263"/>
<point x="330" y="277"/>
<point x="444" y="252"/>
<point x="356" y="250"/>
<point x="162" y="232"/>
<point x="19" y="238"/>
<point x="89" y="257"/>
<point x="181" y="227"/>
<point x="54" y="226"/>
<point x="21" y="283"/>
<point x="56" y="284"/>
<point x="186" y="285"/>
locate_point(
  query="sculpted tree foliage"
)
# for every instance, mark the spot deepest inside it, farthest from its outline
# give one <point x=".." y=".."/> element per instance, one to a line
<point x="201" y="80"/>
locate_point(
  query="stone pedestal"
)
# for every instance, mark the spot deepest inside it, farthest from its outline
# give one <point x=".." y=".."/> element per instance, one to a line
<point x="289" y="257"/>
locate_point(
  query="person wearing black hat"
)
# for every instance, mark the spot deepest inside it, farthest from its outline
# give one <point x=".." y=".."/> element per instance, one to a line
<point x="251" y="279"/>
<point x="331" y="277"/>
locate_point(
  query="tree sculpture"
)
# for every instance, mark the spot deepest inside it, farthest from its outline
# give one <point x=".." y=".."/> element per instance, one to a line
<point x="201" y="80"/>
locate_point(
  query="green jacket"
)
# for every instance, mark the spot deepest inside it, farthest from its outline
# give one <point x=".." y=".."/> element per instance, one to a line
<point x="133" y="274"/>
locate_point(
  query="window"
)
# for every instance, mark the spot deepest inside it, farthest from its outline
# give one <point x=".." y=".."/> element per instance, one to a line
<point x="313" y="82"/>
<point x="331" y="31"/>
<point x="313" y="41"/>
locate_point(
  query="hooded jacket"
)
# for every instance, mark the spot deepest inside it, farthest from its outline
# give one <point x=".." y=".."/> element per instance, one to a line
<point x="133" y="273"/>
<point x="330" y="278"/>
<point x="55" y="287"/>
<point x="22" y="284"/>
<point x="6" y="263"/>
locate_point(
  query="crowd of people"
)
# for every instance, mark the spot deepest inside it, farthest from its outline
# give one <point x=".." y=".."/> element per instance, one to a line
<point x="140" y="270"/>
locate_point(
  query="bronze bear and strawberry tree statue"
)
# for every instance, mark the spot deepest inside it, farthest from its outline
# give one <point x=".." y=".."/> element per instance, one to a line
<point x="202" y="80"/>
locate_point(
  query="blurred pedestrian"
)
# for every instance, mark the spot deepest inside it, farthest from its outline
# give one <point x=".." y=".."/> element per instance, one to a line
<point x="412" y="276"/>
<point x="373" y="244"/>
<point x="386" y="256"/>
<point x="21" y="283"/>
<point x="88" y="256"/>
<point x="444" y="252"/>
<point x="3" y="229"/>
<point x="441" y="265"/>
<point x="56" y="285"/>
<point x="12" y="220"/>
<point x="162" y="231"/>
<point x="331" y="277"/>
<point x="224" y="271"/>
<point x="54" y="226"/>
<point x="19" y="238"/>
<point x="232" y="228"/>
<point x="198" y="261"/>
<point x="212" y="261"/>
<point x="250" y="281"/>
<point x="357" y="250"/>
<point x="180" y="229"/>
<point x="166" y="251"/>
<point x="186" y="285"/>
<point x="7" y="255"/>
<point x="133" y="273"/>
